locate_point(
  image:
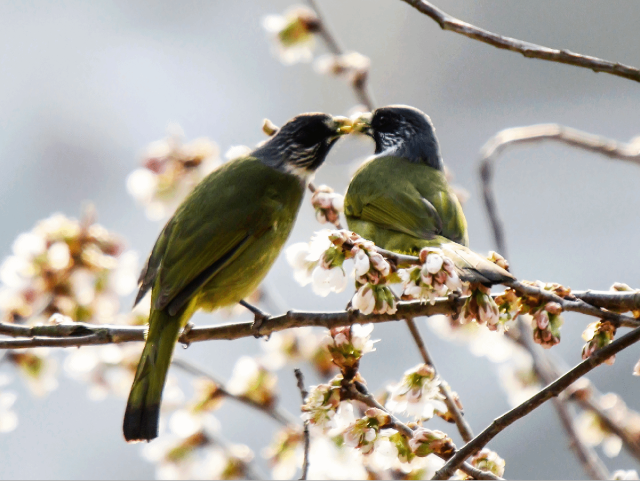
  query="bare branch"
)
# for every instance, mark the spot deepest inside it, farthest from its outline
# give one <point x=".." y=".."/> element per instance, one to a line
<point x="277" y="414"/>
<point x="587" y="456"/>
<point x="552" y="390"/>
<point x="530" y="50"/>
<point x="80" y="334"/>
<point x="307" y="441"/>
<point x="360" y="84"/>
<point x="535" y="134"/>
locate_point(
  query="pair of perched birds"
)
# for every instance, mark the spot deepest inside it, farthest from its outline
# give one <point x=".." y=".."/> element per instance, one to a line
<point x="224" y="237"/>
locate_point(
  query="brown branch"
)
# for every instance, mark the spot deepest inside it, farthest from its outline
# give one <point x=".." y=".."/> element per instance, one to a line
<point x="535" y="134"/>
<point x="529" y="50"/>
<point x="80" y="334"/>
<point x="463" y="427"/>
<point x="277" y="414"/>
<point x="360" y="83"/>
<point x="358" y="392"/>
<point x="307" y="442"/>
<point x="66" y="335"/>
<point x="552" y="390"/>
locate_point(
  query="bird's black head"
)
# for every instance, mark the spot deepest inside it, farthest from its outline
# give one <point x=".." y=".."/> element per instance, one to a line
<point x="404" y="131"/>
<point x="301" y="145"/>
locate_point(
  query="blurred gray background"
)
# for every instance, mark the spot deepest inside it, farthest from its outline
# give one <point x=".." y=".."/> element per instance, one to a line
<point x="85" y="86"/>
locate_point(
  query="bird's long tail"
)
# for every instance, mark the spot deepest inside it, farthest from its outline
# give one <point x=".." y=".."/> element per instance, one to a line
<point x="473" y="267"/>
<point x="143" y="407"/>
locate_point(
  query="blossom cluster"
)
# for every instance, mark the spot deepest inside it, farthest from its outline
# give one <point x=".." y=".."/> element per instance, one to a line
<point x="488" y="460"/>
<point x="347" y="345"/>
<point x="417" y="394"/>
<point x="298" y="345"/>
<point x="192" y="450"/>
<point x="319" y="263"/>
<point x="481" y="307"/>
<point x="294" y="39"/>
<point x="598" y="335"/>
<point x="293" y="34"/>
<point x="327" y="204"/>
<point x="436" y="277"/>
<point x="74" y="268"/>
<point x="170" y="170"/>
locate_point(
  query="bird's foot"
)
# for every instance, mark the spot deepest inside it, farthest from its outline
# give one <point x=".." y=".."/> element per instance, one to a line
<point x="259" y="318"/>
<point x="185" y="334"/>
<point x="454" y="297"/>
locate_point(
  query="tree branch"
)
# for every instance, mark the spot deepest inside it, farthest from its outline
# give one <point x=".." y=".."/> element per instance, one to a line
<point x="80" y="334"/>
<point x="552" y="390"/>
<point x="360" y="84"/>
<point x="587" y="456"/>
<point x="535" y="134"/>
<point x="307" y="441"/>
<point x="530" y="50"/>
<point x="277" y="414"/>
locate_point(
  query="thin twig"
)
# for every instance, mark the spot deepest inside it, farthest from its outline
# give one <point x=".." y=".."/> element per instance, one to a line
<point x="587" y="456"/>
<point x="276" y="413"/>
<point x="536" y="134"/>
<point x="552" y="390"/>
<point x="307" y="441"/>
<point x="360" y="84"/>
<point x="530" y="50"/>
<point x="359" y="392"/>
<point x="463" y="427"/>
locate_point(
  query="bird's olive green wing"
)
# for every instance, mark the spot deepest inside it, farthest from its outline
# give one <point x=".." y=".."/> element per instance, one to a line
<point x="150" y="271"/>
<point x="221" y="218"/>
<point x="413" y="199"/>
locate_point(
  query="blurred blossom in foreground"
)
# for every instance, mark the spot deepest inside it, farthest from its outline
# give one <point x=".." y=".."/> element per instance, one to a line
<point x="293" y="34"/>
<point x="622" y="474"/>
<point x="593" y="432"/>
<point x="352" y="66"/>
<point x="170" y="170"/>
<point x="252" y="380"/>
<point x="75" y="268"/>
<point x="488" y="460"/>
<point x="296" y="345"/>
<point x="192" y="451"/>
<point x="418" y="394"/>
<point x="38" y="368"/>
<point x="318" y="263"/>
<point x="8" y="418"/>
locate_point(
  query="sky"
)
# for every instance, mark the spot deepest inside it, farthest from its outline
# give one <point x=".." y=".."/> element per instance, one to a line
<point x="85" y="86"/>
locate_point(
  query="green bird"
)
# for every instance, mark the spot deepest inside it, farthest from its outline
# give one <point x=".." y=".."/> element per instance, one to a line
<point x="220" y="244"/>
<point x="401" y="200"/>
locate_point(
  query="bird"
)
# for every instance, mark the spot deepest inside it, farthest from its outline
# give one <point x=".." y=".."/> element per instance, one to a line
<point x="219" y="245"/>
<point x="400" y="198"/>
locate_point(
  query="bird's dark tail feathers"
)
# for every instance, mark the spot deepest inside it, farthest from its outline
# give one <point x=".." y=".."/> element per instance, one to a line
<point x="143" y="407"/>
<point x="473" y="267"/>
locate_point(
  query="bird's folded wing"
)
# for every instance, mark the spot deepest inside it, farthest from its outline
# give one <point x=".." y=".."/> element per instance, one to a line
<point x="405" y="212"/>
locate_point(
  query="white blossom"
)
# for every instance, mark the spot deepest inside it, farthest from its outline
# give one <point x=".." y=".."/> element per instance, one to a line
<point x="364" y="300"/>
<point x="362" y="264"/>
<point x="325" y="281"/>
<point x="418" y="394"/>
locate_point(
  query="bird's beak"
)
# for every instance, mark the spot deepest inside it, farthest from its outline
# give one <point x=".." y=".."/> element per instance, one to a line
<point x="362" y="124"/>
<point x="343" y="125"/>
